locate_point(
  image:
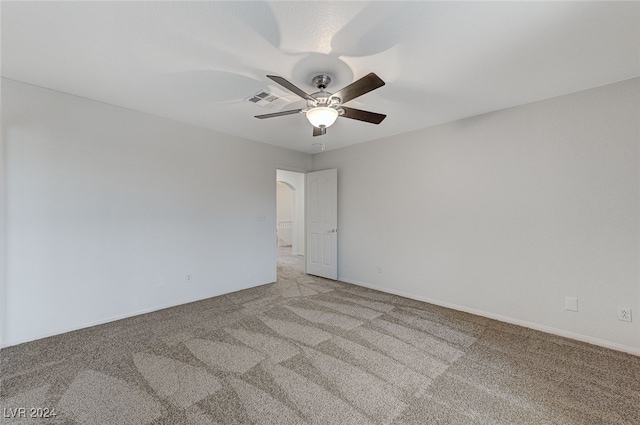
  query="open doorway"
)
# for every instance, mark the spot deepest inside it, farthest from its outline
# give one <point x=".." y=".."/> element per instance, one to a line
<point x="290" y="215"/>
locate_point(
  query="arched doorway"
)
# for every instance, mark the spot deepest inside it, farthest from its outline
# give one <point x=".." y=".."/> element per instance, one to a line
<point x="285" y="210"/>
<point x="290" y="214"/>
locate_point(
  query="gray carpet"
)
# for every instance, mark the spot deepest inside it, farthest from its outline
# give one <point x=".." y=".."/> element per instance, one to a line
<point x="308" y="350"/>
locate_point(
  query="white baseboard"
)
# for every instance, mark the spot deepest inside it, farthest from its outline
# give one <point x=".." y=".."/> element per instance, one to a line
<point x="531" y="325"/>
<point x="116" y="318"/>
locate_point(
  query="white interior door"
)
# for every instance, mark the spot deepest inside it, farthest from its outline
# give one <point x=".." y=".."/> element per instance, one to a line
<point x="322" y="223"/>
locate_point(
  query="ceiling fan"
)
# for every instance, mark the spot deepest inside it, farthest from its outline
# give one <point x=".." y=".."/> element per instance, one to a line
<point x="323" y="108"/>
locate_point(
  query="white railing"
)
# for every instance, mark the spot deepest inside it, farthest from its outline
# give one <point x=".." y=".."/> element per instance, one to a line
<point x="284" y="233"/>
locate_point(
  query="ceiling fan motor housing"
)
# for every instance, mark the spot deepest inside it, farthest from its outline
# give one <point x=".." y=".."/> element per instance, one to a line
<point x="321" y="81"/>
<point x="322" y="98"/>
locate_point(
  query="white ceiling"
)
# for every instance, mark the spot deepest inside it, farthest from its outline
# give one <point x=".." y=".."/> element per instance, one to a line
<point x="196" y="62"/>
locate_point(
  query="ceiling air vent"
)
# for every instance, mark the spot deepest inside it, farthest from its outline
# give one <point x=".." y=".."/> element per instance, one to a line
<point x="264" y="98"/>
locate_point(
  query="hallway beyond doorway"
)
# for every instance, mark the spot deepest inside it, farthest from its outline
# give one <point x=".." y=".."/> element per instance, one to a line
<point x="289" y="260"/>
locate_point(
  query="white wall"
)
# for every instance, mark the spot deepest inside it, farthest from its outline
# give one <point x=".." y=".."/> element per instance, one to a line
<point x="108" y="210"/>
<point x="284" y="201"/>
<point x="296" y="180"/>
<point x="284" y="213"/>
<point x="505" y="214"/>
<point x="3" y="234"/>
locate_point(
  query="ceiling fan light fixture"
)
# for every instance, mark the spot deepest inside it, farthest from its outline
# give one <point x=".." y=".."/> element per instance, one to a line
<point x="323" y="108"/>
<point x="322" y="116"/>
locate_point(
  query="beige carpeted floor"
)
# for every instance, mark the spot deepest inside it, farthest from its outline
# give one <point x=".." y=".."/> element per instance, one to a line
<point x="308" y="350"/>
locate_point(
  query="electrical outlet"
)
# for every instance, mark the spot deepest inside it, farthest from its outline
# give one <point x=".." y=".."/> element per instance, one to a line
<point x="187" y="278"/>
<point x="624" y="314"/>
<point x="379" y="269"/>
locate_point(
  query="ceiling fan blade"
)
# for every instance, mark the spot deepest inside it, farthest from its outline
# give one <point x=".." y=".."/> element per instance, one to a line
<point x="319" y="131"/>
<point x="358" y="88"/>
<point x="289" y="86"/>
<point x="360" y="115"/>
<point x="279" y="114"/>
